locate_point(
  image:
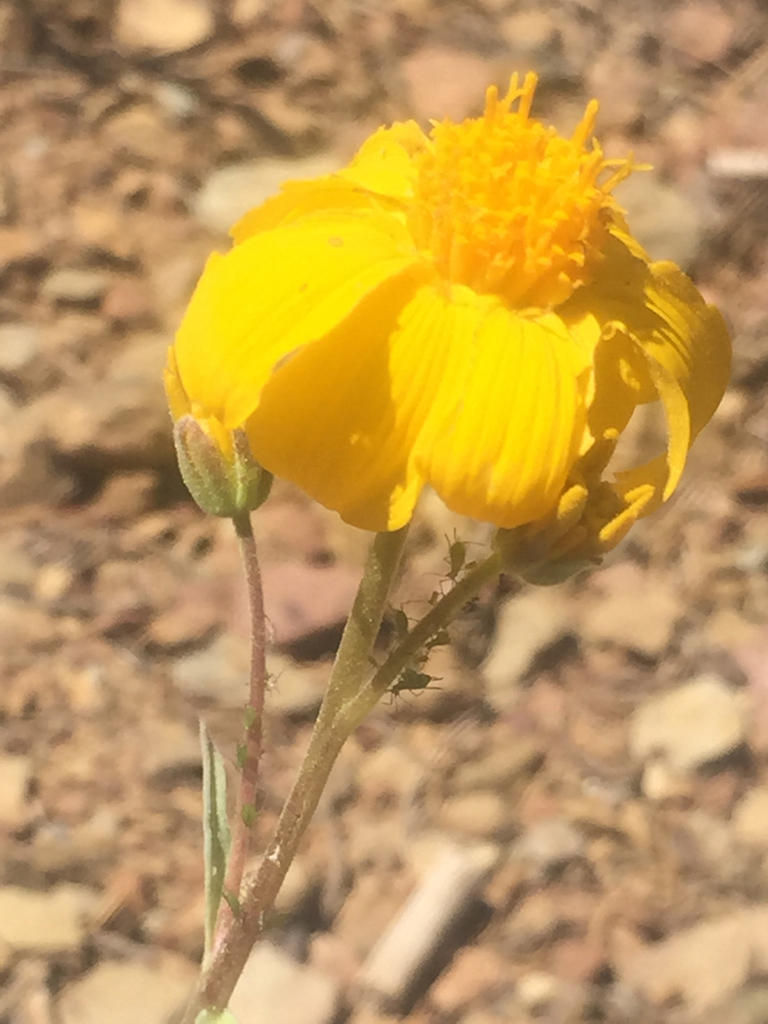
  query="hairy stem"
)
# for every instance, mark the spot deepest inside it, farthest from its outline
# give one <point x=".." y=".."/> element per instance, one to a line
<point x="249" y="754"/>
<point x="352" y="666"/>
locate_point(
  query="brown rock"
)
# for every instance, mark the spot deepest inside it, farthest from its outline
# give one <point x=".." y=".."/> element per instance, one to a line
<point x="163" y="26"/>
<point x="301" y="599"/>
<point x="701" y="964"/>
<point x="45" y="922"/>
<point x="275" y="989"/>
<point x="15" y="776"/>
<point x="448" y="83"/>
<point x="28" y="473"/>
<point x="246" y="11"/>
<point x="482" y="814"/>
<point x="635" y="610"/>
<point x="474" y="974"/>
<point x="128" y="302"/>
<point x="701" y="30"/>
<point x="690" y="727"/>
<point x="527" y="627"/>
<point x="172" y="754"/>
<point x="367" y="911"/>
<point x="750" y="818"/>
<point x="121" y="419"/>
<point x="141" y="131"/>
<point x="76" y="287"/>
<point x="123" y="992"/>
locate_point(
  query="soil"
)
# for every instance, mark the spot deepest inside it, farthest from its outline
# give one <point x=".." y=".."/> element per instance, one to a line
<point x="123" y="615"/>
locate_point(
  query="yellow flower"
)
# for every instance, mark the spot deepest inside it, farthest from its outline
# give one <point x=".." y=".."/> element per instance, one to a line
<point x="464" y="309"/>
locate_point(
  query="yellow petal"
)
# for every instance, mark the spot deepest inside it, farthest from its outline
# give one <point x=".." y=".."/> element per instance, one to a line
<point x="296" y="199"/>
<point x="693" y="344"/>
<point x="274" y="293"/>
<point x="684" y="341"/>
<point x="384" y="163"/>
<point x="341" y="418"/>
<point x="382" y="167"/>
<point x="510" y="415"/>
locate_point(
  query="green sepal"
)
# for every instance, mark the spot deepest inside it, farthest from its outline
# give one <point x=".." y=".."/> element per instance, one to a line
<point x="215" y="1017"/>
<point x="220" y="486"/>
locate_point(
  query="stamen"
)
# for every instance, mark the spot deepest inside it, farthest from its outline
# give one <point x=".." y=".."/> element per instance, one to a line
<point x="508" y="207"/>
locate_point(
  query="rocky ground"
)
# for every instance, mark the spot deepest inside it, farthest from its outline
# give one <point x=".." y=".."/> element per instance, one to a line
<point x="572" y="824"/>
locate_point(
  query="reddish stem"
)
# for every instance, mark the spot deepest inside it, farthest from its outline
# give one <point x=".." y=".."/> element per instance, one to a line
<point x="249" y="754"/>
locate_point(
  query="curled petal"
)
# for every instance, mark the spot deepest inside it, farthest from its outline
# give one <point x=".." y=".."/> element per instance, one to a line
<point x="683" y="341"/>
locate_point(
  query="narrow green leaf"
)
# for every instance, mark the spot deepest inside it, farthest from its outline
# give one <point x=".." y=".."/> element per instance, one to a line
<point x="216" y="834"/>
<point x="215" y="1017"/>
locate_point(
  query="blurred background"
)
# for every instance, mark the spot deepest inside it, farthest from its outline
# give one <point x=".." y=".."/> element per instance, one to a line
<point x="580" y="801"/>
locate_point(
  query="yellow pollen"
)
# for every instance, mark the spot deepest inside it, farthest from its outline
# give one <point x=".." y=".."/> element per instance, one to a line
<point x="506" y="206"/>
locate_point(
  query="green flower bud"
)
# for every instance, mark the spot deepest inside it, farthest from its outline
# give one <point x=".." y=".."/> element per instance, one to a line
<point x="220" y="486"/>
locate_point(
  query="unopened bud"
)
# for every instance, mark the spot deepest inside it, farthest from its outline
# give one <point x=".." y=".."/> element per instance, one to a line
<point x="221" y="486"/>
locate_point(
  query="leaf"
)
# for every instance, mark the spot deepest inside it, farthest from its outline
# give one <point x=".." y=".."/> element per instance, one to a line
<point x="215" y="1017"/>
<point x="216" y="839"/>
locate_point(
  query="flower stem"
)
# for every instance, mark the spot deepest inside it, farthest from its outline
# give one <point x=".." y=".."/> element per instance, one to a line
<point x="249" y="754"/>
<point x="258" y="892"/>
<point x="442" y="612"/>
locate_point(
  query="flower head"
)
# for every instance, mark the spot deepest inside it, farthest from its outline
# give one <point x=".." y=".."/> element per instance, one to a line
<point x="465" y="309"/>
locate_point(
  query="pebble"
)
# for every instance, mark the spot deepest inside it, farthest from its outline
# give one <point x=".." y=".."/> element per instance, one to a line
<point x="622" y="589"/>
<point x="122" y="418"/>
<point x="393" y="969"/>
<point x="473" y="975"/>
<point x="15" y="776"/>
<point x="149" y="990"/>
<point x="528" y="626"/>
<point x="295" y="691"/>
<point x="302" y="601"/>
<point x="536" y="990"/>
<point x="220" y="672"/>
<point x="482" y="814"/>
<point x="548" y="844"/>
<point x="690" y="727"/>
<point x="275" y="989"/>
<point x="230" y="192"/>
<point x="45" y="922"/>
<point x="448" y="83"/>
<point x="388" y="772"/>
<point x="702" y="30"/>
<point x="501" y="767"/>
<point x="701" y="964"/>
<point x="172" y="755"/>
<point x="667" y="221"/>
<point x="748" y="1006"/>
<point x="246" y="11"/>
<point x="660" y="782"/>
<point x="750" y="818"/>
<point x="74" y="287"/>
<point x="163" y="26"/>
<point x="20" y="348"/>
